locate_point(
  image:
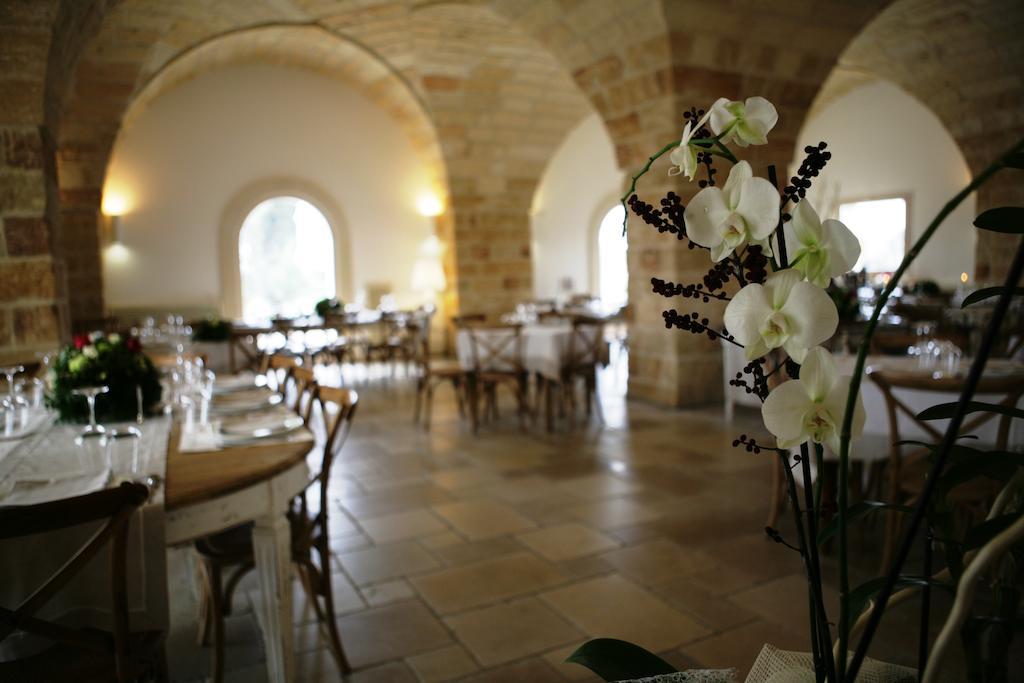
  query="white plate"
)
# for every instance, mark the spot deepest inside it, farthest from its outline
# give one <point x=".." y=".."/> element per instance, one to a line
<point x="232" y="440"/>
<point x="244" y="402"/>
<point x="230" y="384"/>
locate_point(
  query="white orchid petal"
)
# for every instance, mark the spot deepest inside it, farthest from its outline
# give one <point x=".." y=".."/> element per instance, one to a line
<point x="811" y="313"/>
<point x="721" y="251"/>
<point x="760" y="116"/>
<point x="818" y="373"/>
<point x="805" y="224"/>
<point x="794" y="350"/>
<point x="734" y="183"/>
<point x="835" y="403"/>
<point x="784" y="409"/>
<point x="779" y="285"/>
<point x="720" y="115"/>
<point x="843" y="246"/>
<point x="756" y="349"/>
<point x="759" y="206"/>
<point x="745" y="313"/>
<point x="704" y="215"/>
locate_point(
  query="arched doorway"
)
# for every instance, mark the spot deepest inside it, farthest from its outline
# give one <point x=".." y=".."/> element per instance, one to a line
<point x="612" y="260"/>
<point x="285" y="259"/>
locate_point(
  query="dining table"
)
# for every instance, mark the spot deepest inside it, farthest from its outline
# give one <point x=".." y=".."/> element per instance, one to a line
<point x="544" y="347"/>
<point x="202" y="484"/>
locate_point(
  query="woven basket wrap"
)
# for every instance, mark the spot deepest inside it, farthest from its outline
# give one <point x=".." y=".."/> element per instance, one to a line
<point x="779" y="666"/>
<point x="692" y="676"/>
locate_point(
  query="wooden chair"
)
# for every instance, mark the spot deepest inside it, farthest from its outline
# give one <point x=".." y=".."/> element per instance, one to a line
<point x="232" y="550"/>
<point x="81" y="654"/>
<point x="431" y="372"/>
<point x="906" y="470"/>
<point x="585" y="350"/>
<point x="497" y="352"/>
<point x="277" y="367"/>
<point x="469" y="319"/>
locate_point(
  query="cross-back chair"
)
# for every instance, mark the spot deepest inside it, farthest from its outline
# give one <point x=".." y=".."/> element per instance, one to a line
<point x="584" y="351"/>
<point x="277" y="367"/>
<point x="907" y="466"/>
<point x="329" y="415"/>
<point x="81" y="654"/>
<point x="431" y="372"/>
<point x="497" y="353"/>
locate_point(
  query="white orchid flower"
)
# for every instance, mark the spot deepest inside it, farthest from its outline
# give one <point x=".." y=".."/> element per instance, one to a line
<point x="821" y="250"/>
<point x="812" y="407"/>
<point x="684" y="157"/>
<point x="745" y="210"/>
<point x="748" y="123"/>
<point x="785" y="311"/>
<point x="89" y="351"/>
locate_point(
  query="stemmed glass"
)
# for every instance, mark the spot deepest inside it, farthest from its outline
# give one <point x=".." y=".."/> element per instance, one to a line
<point x="16" y="403"/>
<point x="92" y="429"/>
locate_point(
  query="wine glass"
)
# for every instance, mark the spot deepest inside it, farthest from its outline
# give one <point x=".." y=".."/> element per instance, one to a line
<point x="92" y="429"/>
<point x="18" y="404"/>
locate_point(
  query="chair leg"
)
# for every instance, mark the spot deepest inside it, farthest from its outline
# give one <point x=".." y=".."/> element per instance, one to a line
<point x="459" y="398"/>
<point x="419" y="395"/>
<point x="429" y="406"/>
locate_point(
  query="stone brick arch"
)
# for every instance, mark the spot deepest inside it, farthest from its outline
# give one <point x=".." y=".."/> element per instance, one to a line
<point x="963" y="61"/>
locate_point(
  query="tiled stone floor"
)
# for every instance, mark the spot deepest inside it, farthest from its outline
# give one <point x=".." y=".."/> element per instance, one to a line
<point x="490" y="557"/>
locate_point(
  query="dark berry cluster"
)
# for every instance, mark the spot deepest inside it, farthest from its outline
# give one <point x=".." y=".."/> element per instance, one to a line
<point x="755" y="264"/>
<point x="747" y="442"/>
<point x="692" y="322"/>
<point x="696" y="291"/>
<point x="812" y="165"/>
<point x="758" y="384"/>
<point x="655" y="218"/>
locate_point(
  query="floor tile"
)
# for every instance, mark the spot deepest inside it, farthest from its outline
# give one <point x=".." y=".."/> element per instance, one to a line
<point x="463" y="477"/>
<point x="462" y="553"/>
<point x="657" y="561"/>
<point x="386" y="562"/>
<point x="391" y="632"/>
<point x="480" y="583"/>
<point x="717" y="612"/>
<point x="569" y="670"/>
<point x="443" y="665"/>
<point x="483" y="519"/>
<point x="784" y="600"/>
<point x="738" y="647"/>
<point x="531" y="670"/>
<point x="598" y="486"/>
<point x="613" y="607"/>
<point x="402" y="525"/>
<point x="387" y="592"/>
<point x="510" y="631"/>
<point x="441" y="540"/>
<point x="566" y="541"/>
<point x="614" y="513"/>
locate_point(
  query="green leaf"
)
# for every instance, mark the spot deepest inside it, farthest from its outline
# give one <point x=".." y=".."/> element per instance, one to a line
<point x="1015" y="160"/>
<point x="981" y="534"/>
<point x="944" y="411"/>
<point x="864" y="594"/>
<point x="617" y="660"/>
<point x="1009" y="219"/>
<point x="855" y="512"/>
<point x="987" y="293"/>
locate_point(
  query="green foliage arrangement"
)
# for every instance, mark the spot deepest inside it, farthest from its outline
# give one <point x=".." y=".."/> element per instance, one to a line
<point x="103" y="360"/>
<point x="212" y="330"/>
<point x="326" y="307"/>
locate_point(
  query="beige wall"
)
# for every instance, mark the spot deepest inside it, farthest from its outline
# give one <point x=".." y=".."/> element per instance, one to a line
<point x="581" y="182"/>
<point x="884" y="142"/>
<point x="189" y="162"/>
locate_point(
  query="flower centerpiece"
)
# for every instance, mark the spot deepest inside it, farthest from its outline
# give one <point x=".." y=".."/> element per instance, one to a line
<point x="771" y="260"/>
<point x="114" y="361"/>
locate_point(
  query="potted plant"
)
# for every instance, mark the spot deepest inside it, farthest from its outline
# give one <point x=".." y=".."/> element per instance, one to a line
<point x="211" y="337"/>
<point x="771" y="258"/>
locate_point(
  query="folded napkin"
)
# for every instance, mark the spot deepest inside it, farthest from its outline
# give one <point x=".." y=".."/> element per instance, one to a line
<point x="199" y="438"/>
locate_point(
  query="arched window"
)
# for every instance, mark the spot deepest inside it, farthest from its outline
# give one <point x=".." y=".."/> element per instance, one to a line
<point x="612" y="268"/>
<point x="285" y="259"/>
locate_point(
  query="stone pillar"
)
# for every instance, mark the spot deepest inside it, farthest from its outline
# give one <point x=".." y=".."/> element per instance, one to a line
<point x="32" y="301"/>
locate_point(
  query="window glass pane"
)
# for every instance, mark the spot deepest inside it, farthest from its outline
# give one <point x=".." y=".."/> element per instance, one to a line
<point x="881" y="227"/>
<point x="286" y="259"/>
<point x="612" y="269"/>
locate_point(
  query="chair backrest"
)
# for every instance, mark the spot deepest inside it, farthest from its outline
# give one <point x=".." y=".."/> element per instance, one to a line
<point x="336" y="407"/>
<point x="277" y="367"/>
<point x="496" y="348"/>
<point x="300" y="386"/>
<point x="469" y="319"/>
<point x="115" y="506"/>
<point x="585" y="342"/>
<point x="1009" y="387"/>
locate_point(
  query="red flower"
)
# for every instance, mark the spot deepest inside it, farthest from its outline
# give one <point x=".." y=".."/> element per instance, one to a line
<point x="81" y="340"/>
<point x="133" y="344"/>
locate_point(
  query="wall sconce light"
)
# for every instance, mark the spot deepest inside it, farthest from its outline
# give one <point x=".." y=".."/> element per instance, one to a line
<point x="427" y="272"/>
<point x="429" y="204"/>
<point x="114" y="206"/>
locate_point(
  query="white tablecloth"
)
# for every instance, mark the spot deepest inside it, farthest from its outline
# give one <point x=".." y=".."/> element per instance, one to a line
<point x="49" y="465"/>
<point x="544" y="347"/>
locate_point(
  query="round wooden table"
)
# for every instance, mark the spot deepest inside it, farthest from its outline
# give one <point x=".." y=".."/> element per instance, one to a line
<point x="207" y="492"/>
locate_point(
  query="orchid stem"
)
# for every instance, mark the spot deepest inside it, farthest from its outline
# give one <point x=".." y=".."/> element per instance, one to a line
<point x="639" y="174"/>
